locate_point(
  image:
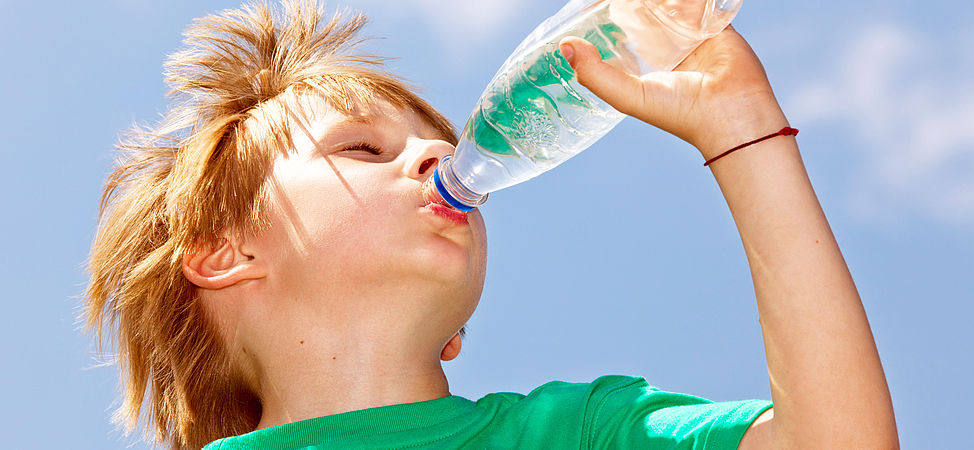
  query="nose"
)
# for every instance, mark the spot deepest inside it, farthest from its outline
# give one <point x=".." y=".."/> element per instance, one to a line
<point x="427" y="155"/>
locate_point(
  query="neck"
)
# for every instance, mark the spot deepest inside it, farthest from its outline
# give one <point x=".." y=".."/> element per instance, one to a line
<point x="317" y="383"/>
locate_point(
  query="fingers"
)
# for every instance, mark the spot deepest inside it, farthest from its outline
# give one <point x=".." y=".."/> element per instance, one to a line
<point x="617" y="88"/>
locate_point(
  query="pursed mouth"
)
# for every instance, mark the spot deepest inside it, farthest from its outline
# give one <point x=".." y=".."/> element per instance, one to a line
<point x="447" y="213"/>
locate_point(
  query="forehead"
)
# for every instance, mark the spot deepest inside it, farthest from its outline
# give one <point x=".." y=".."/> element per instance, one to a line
<point x="376" y="113"/>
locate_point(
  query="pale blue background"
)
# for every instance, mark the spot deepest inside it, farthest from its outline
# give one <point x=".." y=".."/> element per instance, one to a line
<point x="624" y="260"/>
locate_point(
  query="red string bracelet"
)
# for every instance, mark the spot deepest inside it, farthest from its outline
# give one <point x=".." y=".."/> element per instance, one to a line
<point x="786" y="131"/>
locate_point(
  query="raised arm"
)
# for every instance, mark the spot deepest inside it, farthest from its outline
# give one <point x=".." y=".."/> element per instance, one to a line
<point x="827" y="382"/>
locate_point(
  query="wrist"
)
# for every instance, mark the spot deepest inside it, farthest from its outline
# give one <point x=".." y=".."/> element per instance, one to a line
<point x="786" y="131"/>
<point x="738" y="125"/>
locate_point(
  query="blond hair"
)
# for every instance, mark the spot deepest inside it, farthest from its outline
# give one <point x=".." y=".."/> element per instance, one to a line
<point x="198" y="173"/>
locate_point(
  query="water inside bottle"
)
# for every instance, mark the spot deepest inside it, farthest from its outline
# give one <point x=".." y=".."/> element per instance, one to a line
<point x="535" y="115"/>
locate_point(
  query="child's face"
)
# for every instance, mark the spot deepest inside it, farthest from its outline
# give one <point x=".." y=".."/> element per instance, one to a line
<point x="350" y="237"/>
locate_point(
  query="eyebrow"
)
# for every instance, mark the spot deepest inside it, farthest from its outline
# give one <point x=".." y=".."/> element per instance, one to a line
<point x="365" y="119"/>
<point x="370" y="118"/>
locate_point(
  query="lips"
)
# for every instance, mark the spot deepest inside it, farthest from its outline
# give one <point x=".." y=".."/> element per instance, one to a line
<point x="447" y="213"/>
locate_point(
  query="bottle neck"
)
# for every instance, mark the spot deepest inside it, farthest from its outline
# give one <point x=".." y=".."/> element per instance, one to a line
<point x="445" y="188"/>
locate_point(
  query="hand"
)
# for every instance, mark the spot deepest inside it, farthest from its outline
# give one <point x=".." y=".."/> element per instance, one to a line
<point x="718" y="97"/>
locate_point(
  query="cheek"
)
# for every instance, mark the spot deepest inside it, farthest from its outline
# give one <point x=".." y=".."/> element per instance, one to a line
<point x="322" y="198"/>
<point x="338" y="227"/>
<point x="323" y="215"/>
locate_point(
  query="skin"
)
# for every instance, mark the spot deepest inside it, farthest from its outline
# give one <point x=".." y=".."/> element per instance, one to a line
<point x="354" y="293"/>
<point x="827" y="381"/>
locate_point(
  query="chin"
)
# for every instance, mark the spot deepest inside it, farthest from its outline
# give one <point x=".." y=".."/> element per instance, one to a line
<point x="443" y="260"/>
<point x="456" y="266"/>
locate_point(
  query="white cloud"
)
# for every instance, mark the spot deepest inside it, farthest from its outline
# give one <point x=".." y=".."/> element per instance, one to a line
<point x="910" y="100"/>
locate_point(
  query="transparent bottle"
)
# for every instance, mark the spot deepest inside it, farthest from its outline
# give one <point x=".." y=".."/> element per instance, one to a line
<point x="534" y="115"/>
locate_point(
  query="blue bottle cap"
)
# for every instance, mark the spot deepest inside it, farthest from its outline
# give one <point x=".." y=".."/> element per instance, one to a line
<point x="445" y="194"/>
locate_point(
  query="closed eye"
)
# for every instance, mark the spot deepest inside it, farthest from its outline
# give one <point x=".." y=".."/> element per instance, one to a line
<point x="363" y="146"/>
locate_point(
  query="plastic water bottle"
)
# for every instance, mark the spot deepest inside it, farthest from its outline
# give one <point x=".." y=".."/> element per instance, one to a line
<point x="534" y="114"/>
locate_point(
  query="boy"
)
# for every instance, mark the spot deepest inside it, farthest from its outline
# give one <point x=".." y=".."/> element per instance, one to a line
<point x="278" y="281"/>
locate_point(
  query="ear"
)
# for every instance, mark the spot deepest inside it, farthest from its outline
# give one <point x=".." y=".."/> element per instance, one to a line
<point x="221" y="264"/>
<point x="452" y="348"/>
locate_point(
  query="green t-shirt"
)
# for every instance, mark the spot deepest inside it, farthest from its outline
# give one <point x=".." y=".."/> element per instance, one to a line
<point x="611" y="412"/>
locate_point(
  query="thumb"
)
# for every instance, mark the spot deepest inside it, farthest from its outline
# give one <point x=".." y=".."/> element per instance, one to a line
<point x="619" y="89"/>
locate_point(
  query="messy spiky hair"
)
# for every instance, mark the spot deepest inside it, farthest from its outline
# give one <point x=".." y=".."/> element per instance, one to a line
<point x="201" y="171"/>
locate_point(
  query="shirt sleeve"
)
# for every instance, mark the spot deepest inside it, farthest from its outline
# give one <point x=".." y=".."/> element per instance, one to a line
<point x="626" y="412"/>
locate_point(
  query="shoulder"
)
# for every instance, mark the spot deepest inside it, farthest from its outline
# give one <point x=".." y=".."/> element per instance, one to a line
<point x="556" y="414"/>
<point x="626" y="411"/>
<point x="565" y="393"/>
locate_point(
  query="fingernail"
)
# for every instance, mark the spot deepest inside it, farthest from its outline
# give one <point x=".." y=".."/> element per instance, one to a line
<point x="569" y="53"/>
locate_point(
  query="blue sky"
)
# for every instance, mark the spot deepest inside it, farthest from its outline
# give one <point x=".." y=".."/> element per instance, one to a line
<point x="651" y="280"/>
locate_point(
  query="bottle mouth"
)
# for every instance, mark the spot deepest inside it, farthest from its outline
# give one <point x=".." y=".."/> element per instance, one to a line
<point x="444" y="188"/>
<point x="692" y="23"/>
